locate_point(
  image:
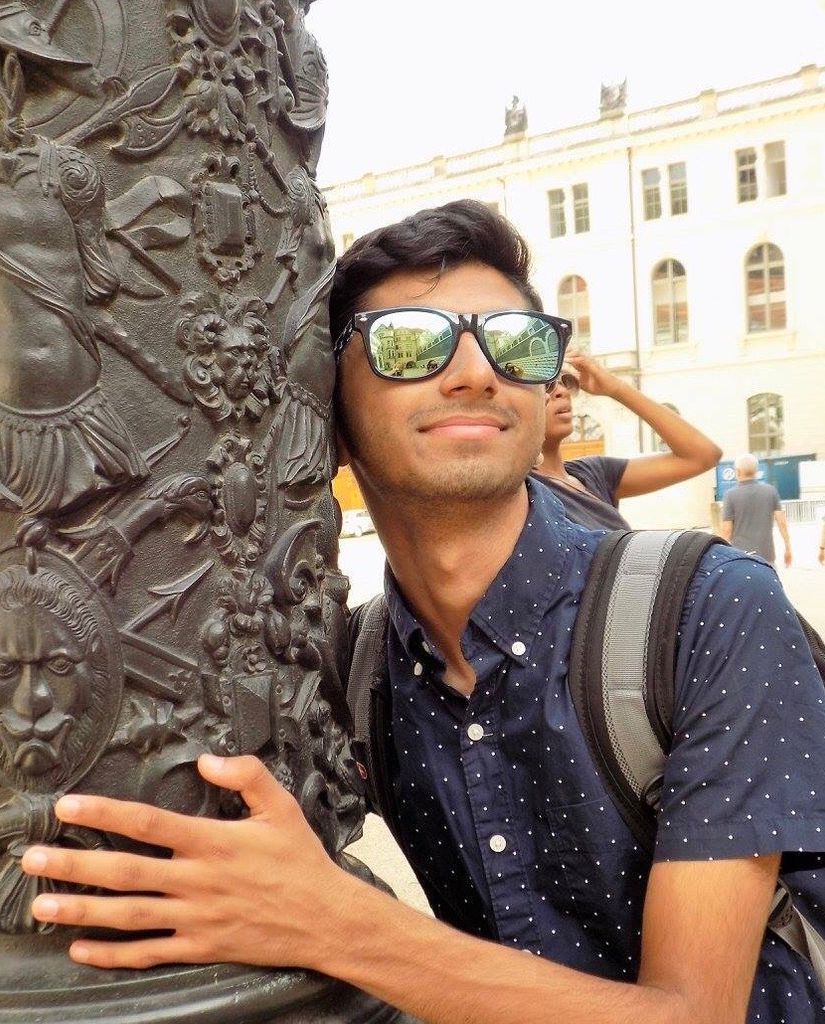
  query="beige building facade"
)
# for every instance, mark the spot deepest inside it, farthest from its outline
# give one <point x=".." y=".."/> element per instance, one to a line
<point x="685" y="241"/>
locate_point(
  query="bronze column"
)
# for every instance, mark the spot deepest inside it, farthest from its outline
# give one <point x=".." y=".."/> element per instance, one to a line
<point x="168" y="553"/>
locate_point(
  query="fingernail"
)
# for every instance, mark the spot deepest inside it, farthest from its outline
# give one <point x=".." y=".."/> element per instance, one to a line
<point x="79" y="952"/>
<point x="67" y="807"/>
<point x="35" y="860"/>
<point x="45" y="908"/>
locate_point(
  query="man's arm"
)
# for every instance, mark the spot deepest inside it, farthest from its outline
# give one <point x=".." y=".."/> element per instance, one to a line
<point x="263" y="891"/>
<point x="726" y="529"/>
<point x="782" y="522"/>
<point x="691" y="452"/>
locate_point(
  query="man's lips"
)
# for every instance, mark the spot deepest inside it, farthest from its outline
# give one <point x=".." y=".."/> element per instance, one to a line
<point x="465" y="427"/>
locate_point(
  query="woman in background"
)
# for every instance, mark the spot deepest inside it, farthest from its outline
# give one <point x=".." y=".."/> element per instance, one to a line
<point x="590" y="488"/>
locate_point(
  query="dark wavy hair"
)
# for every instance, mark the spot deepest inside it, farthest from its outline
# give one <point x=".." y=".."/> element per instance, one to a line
<point x="438" y="239"/>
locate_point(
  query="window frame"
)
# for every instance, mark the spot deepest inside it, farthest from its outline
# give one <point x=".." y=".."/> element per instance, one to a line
<point x="774" y="315"/>
<point x="651" y="193"/>
<point x="746" y="175"/>
<point x="678" y="188"/>
<point x="765" y="403"/>
<point x="775" y="158"/>
<point x="576" y="306"/>
<point x="679" y="327"/>
<point x="555" y="205"/>
<point x="581" y="208"/>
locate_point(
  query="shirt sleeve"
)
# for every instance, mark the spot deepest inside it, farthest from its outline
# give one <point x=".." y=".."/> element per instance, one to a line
<point x="745" y="774"/>
<point x="601" y="474"/>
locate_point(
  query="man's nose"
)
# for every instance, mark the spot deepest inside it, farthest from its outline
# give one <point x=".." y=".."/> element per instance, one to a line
<point x="33" y="697"/>
<point x="469" y="368"/>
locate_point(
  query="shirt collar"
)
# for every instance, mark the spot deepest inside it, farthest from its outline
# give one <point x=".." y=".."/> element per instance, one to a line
<point x="511" y="609"/>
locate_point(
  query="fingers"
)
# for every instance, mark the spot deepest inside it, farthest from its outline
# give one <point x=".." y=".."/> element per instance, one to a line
<point x="142" y="822"/>
<point x="140" y="954"/>
<point x="247" y="775"/>
<point x="127" y="913"/>
<point x="104" y="869"/>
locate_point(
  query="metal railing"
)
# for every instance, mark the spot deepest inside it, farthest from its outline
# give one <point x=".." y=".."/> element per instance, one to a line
<point x="804" y="510"/>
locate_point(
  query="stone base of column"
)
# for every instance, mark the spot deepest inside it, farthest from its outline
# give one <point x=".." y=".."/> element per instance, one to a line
<point x="38" y="983"/>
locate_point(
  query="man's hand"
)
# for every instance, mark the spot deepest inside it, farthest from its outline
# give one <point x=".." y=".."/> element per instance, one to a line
<point x="261" y="890"/>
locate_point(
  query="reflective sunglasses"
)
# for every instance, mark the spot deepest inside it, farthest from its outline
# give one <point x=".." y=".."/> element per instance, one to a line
<point x="568" y="379"/>
<point x="413" y="342"/>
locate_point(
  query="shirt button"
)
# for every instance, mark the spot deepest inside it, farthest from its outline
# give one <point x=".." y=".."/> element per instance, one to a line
<point x="475" y="731"/>
<point x="498" y="844"/>
<point x="418" y="668"/>
<point x="518" y="648"/>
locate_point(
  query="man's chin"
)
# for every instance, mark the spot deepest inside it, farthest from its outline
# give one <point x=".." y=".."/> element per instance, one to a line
<point x="467" y="480"/>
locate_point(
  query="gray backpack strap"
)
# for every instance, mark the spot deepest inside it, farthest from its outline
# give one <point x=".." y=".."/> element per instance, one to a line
<point x="625" y="659"/>
<point x="796" y="930"/>
<point x="622" y="680"/>
<point x="367" y="664"/>
<point x="610" y="665"/>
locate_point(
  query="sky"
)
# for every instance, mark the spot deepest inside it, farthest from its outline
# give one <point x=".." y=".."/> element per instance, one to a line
<point x="412" y="79"/>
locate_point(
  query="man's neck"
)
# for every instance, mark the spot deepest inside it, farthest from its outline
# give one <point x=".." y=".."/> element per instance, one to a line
<point x="444" y="560"/>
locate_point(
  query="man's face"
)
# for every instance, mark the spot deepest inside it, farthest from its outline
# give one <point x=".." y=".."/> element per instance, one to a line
<point x="45" y="683"/>
<point x="238" y="360"/>
<point x="465" y="434"/>
<point x="559" y="405"/>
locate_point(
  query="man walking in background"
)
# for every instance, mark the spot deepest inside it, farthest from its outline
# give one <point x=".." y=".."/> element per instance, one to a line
<point x="749" y="511"/>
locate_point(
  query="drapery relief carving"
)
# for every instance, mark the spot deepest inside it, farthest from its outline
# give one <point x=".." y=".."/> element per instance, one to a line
<point x="168" y="582"/>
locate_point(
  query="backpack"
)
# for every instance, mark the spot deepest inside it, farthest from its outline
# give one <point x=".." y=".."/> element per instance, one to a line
<point x="621" y="679"/>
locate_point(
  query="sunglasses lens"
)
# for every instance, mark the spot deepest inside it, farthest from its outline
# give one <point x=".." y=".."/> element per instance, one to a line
<point x="524" y="346"/>
<point x="407" y="344"/>
<point x="569" y="381"/>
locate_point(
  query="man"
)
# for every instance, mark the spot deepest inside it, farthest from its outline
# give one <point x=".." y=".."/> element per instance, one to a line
<point x="749" y="512"/>
<point x="495" y="798"/>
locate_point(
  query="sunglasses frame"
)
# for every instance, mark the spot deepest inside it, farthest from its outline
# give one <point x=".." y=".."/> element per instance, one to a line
<point x="460" y="322"/>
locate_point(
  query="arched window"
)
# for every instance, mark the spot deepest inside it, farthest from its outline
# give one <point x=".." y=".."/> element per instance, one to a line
<point x="657" y="443"/>
<point x="670" y="311"/>
<point x="574" y="304"/>
<point x="765" y="284"/>
<point x="766" y="433"/>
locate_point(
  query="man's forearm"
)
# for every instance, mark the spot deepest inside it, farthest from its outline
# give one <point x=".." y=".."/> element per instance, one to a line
<point x="443" y="976"/>
<point x="683" y="439"/>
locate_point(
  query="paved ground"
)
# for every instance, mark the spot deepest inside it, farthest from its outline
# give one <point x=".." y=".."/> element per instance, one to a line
<point x="362" y="559"/>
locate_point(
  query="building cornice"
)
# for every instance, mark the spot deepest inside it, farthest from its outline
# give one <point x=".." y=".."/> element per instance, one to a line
<point x="709" y="112"/>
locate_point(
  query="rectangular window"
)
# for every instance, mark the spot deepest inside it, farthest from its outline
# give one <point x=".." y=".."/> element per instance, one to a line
<point x="581" y="209"/>
<point x="558" y="225"/>
<point x="746" y="186"/>
<point x="677" y="178"/>
<point x="775" y="184"/>
<point x="650" y="192"/>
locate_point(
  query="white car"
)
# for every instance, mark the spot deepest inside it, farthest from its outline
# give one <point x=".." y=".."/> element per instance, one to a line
<point x="355" y="522"/>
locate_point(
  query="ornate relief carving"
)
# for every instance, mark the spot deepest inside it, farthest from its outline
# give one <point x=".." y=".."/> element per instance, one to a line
<point x="239" y="487"/>
<point x="229" y="368"/>
<point x="61" y="673"/>
<point x="224" y="219"/>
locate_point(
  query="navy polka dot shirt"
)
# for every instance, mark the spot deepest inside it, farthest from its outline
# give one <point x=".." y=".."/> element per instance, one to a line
<point x="503" y="815"/>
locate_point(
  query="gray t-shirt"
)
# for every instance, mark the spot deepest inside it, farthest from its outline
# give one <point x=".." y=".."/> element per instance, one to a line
<point x="598" y="506"/>
<point x="750" y="506"/>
